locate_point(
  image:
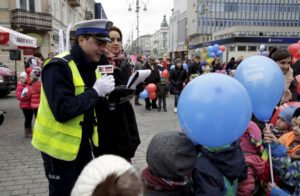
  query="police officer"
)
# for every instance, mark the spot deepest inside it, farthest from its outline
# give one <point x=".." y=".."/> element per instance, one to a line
<point x="66" y="127"/>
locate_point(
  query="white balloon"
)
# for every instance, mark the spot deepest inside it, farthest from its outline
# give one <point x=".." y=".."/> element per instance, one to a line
<point x="262" y="47"/>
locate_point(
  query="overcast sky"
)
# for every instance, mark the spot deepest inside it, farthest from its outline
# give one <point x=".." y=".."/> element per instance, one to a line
<point x="117" y="12"/>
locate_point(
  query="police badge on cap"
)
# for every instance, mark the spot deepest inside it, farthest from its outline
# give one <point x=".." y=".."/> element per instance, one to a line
<point x="99" y="28"/>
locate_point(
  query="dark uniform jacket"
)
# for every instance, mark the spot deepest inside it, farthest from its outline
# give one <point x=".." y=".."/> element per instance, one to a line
<point x="60" y="91"/>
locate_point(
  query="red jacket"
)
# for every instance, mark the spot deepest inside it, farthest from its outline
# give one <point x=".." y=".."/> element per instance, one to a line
<point x="34" y="92"/>
<point x="28" y="71"/>
<point x="24" y="101"/>
<point x="256" y="168"/>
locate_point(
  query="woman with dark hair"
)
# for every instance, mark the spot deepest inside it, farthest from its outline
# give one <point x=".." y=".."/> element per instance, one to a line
<point x="178" y="79"/>
<point x="117" y="127"/>
<point x="283" y="60"/>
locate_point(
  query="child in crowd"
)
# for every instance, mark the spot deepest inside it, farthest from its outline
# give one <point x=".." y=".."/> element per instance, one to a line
<point x="283" y="58"/>
<point x="291" y="140"/>
<point x="34" y="89"/>
<point x="162" y="90"/>
<point x="218" y="170"/>
<point x="251" y="145"/>
<point x="22" y="96"/>
<point x="170" y="157"/>
<point x="288" y="170"/>
<point x="108" y="175"/>
<point x="284" y="121"/>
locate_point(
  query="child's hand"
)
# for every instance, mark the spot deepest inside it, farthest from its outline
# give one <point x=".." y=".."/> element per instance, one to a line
<point x="270" y="186"/>
<point x="296" y="155"/>
<point x="269" y="137"/>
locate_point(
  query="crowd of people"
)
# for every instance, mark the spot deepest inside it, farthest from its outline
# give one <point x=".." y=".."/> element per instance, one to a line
<point x="85" y="152"/>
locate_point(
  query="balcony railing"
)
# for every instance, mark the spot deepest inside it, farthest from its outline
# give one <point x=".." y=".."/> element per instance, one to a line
<point x="31" y="20"/>
<point x="74" y="3"/>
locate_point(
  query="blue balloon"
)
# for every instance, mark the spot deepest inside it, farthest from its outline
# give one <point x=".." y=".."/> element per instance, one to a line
<point x="172" y="67"/>
<point x="216" y="47"/>
<point x="211" y="55"/>
<point x="219" y="53"/>
<point x="264" y="81"/>
<point x="214" y="110"/>
<point x="144" y="94"/>
<point x="210" y="49"/>
<point x="185" y="67"/>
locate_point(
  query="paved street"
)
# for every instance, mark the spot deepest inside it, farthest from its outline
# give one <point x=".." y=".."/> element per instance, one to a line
<point x="21" y="171"/>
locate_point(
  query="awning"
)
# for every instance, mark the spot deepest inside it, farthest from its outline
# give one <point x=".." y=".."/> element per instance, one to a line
<point x="10" y="39"/>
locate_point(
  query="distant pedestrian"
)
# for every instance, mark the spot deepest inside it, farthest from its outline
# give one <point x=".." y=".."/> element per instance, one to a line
<point x="178" y="79"/>
<point x="162" y="91"/>
<point x="22" y="96"/>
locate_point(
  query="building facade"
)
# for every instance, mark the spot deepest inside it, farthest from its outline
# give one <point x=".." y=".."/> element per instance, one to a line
<point x="210" y="21"/>
<point x="43" y="19"/>
<point x="145" y="44"/>
<point x="178" y="30"/>
<point x="159" y="41"/>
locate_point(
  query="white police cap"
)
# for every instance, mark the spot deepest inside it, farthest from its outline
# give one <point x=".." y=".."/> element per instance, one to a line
<point x="99" y="28"/>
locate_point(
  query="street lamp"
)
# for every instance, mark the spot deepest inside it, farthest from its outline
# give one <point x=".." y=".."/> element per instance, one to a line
<point x="137" y="10"/>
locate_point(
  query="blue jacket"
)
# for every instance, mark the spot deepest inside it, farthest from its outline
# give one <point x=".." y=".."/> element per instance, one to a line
<point x="288" y="170"/>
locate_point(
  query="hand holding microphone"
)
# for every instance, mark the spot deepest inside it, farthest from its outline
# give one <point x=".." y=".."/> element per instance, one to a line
<point x="104" y="85"/>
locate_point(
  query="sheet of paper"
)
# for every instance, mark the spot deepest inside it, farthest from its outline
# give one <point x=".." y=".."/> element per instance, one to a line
<point x="137" y="77"/>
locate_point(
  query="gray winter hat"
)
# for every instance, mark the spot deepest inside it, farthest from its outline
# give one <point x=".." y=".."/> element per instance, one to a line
<point x="171" y="155"/>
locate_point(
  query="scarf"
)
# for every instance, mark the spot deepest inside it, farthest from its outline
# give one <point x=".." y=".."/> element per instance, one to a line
<point x="115" y="59"/>
<point x="161" y="184"/>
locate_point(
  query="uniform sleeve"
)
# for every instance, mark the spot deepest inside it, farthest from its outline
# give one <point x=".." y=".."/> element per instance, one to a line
<point x="60" y="93"/>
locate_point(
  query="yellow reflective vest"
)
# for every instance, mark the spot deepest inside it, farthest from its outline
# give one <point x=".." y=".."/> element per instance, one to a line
<point x="60" y="140"/>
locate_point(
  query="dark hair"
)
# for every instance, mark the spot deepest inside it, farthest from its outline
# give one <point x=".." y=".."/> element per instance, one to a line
<point x="178" y="61"/>
<point x="278" y="55"/>
<point x="114" y="28"/>
<point x="139" y="57"/>
<point x="126" y="184"/>
<point x="296" y="113"/>
<point x="39" y="55"/>
<point x="85" y="36"/>
<point x="197" y="57"/>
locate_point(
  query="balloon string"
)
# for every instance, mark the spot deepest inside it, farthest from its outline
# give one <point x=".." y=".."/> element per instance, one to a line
<point x="270" y="157"/>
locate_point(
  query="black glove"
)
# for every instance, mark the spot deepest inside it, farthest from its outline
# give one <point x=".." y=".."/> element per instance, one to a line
<point x="121" y="94"/>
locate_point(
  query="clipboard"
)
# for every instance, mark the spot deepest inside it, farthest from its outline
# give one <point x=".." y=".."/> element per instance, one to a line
<point x="137" y="77"/>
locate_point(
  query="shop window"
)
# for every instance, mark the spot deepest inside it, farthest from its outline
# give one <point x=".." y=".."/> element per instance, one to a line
<point x="241" y="48"/>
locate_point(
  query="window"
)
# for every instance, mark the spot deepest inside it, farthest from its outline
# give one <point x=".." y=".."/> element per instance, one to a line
<point x="232" y="48"/>
<point x="241" y="48"/>
<point x="64" y="13"/>
<point x="54" y="8"/>
<point x="252" y="48"/>
<point x="31" y="5"/>
<point x="23" y="4"/>
<point x="27" y="5"/>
